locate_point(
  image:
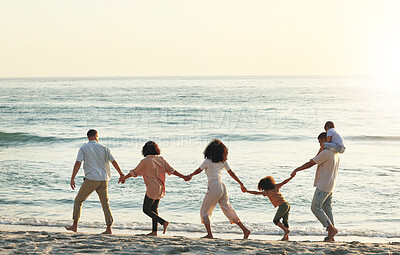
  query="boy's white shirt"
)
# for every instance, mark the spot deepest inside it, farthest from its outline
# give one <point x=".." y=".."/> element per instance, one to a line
<point x="336" y="138"/>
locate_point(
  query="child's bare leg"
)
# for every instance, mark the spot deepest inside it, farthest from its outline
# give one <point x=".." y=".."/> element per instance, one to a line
<point x="286" y="230"/>
<point x="246" y="232"/>
<point x="209" y="233"/>
<point x="73" y="227"/>
<point x="108" y="230"/>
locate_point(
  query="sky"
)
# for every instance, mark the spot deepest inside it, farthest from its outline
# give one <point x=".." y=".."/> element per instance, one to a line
<point x="51" y="38"/>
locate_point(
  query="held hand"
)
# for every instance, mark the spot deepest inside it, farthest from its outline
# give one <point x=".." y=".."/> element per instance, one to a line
<point x="293" y="173"/>
<point x="121" y="179"/>
<point x="72" y="184"/>
<point x="187" y="177"/>
<point x="243" y="188"/>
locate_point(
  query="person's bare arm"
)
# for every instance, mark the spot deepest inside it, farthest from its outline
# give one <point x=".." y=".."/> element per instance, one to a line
<point x="329" y="139"/>
<point x="196" y="172"/>
<point x="284" y="182"/>
<point x="234" y="176"/>
<point x="121" y="175"/>
<point x="255" y="192"/>
<point x="185" y="177"/>
<point x="303" y="167"/>
<point x="75" y="171"/>
<point x="127" y="176"/>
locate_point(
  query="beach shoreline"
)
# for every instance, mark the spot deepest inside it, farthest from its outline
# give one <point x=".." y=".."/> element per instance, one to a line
<point x="45" y="242"/>
<point x="63" y="242"/>
<point x="196" y="234"/>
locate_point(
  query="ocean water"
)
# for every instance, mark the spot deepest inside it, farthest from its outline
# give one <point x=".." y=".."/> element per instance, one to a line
<point x="269" y="124"/>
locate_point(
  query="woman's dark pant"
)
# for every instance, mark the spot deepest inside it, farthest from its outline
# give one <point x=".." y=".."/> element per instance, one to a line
<point x="150" y="208"/>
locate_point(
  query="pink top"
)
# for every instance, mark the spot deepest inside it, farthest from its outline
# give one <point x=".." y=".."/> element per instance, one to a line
<point x="153" y="169"/>
<point x="275" y="196"/>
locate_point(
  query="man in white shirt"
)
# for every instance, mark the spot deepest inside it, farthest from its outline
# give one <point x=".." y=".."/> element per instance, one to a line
<point x="325" y="180"/>
<point x="96" y="158"/>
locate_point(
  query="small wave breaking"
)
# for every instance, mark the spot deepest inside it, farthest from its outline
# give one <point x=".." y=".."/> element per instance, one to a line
<point x="221" y="228"/>
<point x="20" y="139"/>
<point x="373" y="138"/>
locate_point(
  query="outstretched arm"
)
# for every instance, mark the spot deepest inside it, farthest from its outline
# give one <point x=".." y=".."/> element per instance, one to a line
<point x="121" y="175"/>
<point x="284" y="182"/>
<point x="196" y="172"/>
<point x="255" y="192"/>
<point x="303" y="167"/>
<point x="75" y="171"/>
<point x="126" y="177"/>
<point x="185" y="177"/>
<point x="234" y="176"/>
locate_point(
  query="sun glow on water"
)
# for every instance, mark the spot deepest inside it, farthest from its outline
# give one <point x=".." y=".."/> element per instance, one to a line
<point x="385" y="61"/>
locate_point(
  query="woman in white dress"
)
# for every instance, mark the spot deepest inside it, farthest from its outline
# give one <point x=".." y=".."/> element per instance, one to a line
<point x="215" y="155"/>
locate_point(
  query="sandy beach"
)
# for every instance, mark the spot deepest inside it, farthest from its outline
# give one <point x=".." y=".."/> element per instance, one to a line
<point x="47" y="242"/>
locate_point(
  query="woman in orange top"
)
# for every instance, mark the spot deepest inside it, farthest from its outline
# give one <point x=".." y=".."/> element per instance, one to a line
<point x="271" y="190"/>
<point x="153" y="169"/>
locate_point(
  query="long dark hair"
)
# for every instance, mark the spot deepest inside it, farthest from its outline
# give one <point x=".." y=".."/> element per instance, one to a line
<point x="150" y="148"/>
<point x="216" y="151"/>
<point x="266" y="183"/>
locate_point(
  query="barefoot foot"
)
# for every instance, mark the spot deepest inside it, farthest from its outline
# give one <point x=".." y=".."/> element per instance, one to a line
<point x="108" y="231"/>
<point x="286" y="236"/>
<point x="72" y="228"/>
<point x="332" y="231"/>
<point x="165" y="226"/>
<point x="152" y="234"/>
<point x="246" y="234"/>
<point x="208" y="236"/>
<point x="331" y="240"/>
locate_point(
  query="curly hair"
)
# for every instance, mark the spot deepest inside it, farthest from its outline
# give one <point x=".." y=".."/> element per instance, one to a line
<point x="216" y="151"/>
<point x="150" y="148"/>
<point x="266" y="183"/>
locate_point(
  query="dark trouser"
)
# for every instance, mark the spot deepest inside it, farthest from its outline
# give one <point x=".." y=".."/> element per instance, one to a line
<point x="150" y="208"/>
<point x="283" y="213"/>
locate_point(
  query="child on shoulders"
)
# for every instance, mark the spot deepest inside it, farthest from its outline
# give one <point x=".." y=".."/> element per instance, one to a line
<point x="334" y="141"/>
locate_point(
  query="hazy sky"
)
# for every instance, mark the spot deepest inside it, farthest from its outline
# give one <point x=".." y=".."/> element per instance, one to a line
<point x="203" y="37"/>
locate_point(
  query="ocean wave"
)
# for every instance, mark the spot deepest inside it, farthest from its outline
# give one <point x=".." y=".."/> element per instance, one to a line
<point x="256" y="137"/>
<point x="373" y="138"/>
<point x="221" y="228"/>
<point x="19" y="138"/>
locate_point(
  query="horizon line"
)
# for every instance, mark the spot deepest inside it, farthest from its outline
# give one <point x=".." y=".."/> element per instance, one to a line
<point x="193" y="76"/>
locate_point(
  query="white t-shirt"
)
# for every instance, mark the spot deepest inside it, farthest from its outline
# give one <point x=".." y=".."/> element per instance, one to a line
<point x="327" y="170"/>
<point x="336" y="138"/>
<point x="214" y="170"/>
<point x="96" y="159"/>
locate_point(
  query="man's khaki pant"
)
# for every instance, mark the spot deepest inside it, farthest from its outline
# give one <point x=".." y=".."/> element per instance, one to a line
<point x="86" y="189"/>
